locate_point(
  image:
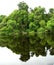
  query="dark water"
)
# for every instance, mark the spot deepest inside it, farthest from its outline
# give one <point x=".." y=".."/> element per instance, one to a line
<point x="33" y="50"/>
<point x="7" y="57"/>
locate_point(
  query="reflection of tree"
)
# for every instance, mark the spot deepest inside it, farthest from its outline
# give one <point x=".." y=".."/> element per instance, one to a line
<point x="24" y="49"/>
<point x="52" y="51"/>
<point x="24" y="56"/>
<point x="37" y="48"/>
<point x="23" y="46"/>
<point x="40" y="50"/>
<point x="50" y="39"/>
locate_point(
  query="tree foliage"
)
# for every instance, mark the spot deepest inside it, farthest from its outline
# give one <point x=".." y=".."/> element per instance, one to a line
<point x="24" y="31"/>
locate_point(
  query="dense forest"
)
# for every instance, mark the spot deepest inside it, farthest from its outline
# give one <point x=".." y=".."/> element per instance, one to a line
<point x="28" y="30"/>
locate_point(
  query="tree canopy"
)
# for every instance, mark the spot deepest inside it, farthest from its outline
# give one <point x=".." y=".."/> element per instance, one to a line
<point x="25" y="31"/>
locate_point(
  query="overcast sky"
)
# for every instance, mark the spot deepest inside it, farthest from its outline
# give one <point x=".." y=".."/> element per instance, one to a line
<point x="7" y="6"/>
<point x="6" y="56"/>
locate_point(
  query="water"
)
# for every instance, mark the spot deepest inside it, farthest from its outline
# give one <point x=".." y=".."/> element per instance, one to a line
<point x="7" y="57"/>
<point x="25" y="50"/>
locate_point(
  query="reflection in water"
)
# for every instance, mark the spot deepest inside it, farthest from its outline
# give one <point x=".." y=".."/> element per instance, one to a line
<point x="7" y="57"/>
<point x="25" y="44"/>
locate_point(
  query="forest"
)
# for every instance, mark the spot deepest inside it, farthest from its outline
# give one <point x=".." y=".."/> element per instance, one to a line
<point x="28" y="30"/>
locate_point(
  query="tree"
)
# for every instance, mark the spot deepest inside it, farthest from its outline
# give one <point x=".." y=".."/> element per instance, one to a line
<point x="50" y="25"/>
<point x="2" y="17"/>
<point x="23" y="6"/>
<point x="26" y="31"/>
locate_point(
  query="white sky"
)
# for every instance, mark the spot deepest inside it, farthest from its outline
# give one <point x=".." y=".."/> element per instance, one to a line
<point x="7" y="6"/>
<point x="6" y="56"/>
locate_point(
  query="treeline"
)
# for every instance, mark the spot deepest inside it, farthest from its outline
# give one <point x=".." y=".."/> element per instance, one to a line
<point x="30" y="27"/>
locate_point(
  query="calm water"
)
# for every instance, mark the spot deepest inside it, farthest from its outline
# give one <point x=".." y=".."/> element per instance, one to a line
<point x="27" y="50"/>
<point x="7" y="57"/>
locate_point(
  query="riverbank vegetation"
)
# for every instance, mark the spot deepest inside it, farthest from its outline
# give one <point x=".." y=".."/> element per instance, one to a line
<point x="27" y="29"/>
